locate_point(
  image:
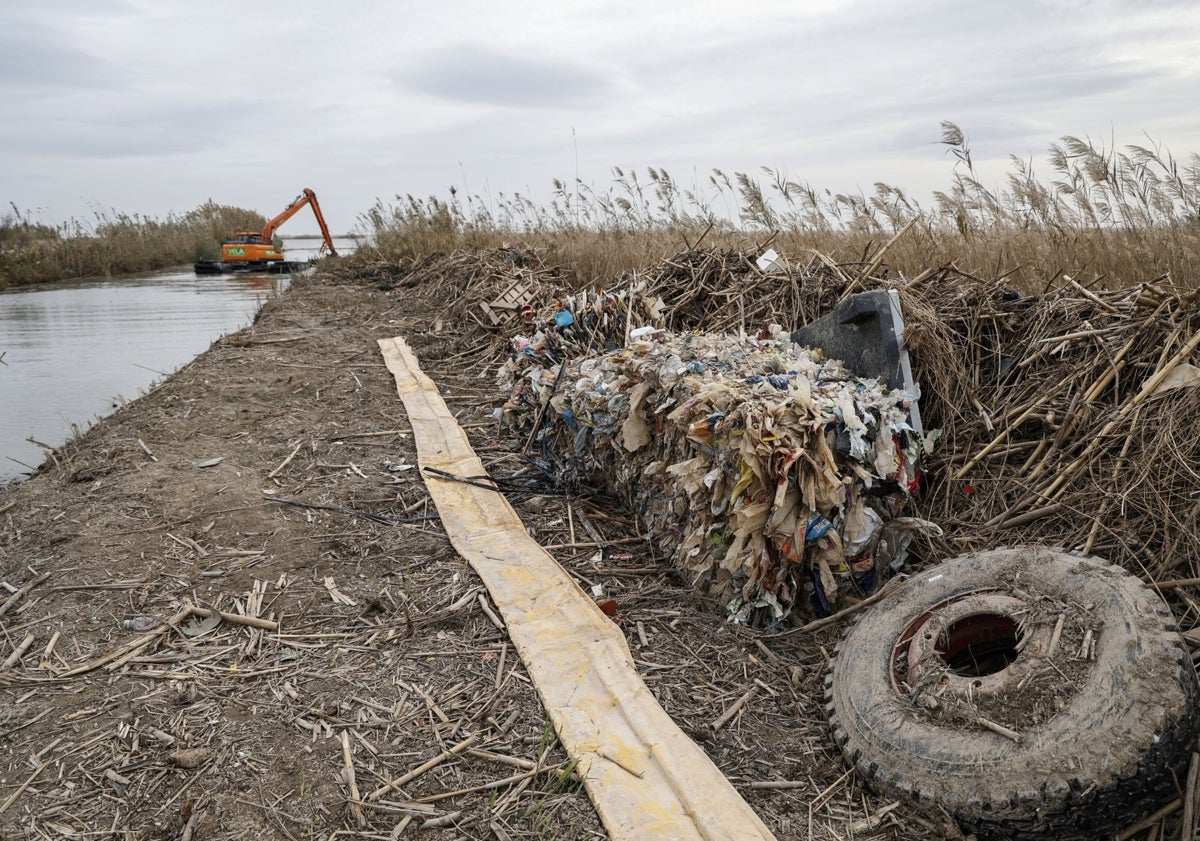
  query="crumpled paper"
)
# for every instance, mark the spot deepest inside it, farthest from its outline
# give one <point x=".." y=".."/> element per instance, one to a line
<point x="766" y="471"/>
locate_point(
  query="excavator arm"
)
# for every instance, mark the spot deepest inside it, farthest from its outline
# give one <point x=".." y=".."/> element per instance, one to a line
<point x="306" y="197"/>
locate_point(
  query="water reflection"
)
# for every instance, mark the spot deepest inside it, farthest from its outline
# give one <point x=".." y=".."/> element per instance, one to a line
<point x="72" y="353"/>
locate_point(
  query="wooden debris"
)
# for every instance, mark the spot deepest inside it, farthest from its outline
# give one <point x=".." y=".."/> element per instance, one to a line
<point x="337" y="595"/>
<point x="348" y="777"/>
<point x="235" y="618"/>
<point x="119" y="655"/>
<point x="286" y="461"/>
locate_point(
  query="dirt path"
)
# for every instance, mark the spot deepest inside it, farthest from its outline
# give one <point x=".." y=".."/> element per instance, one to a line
<point x="272" y="478"/>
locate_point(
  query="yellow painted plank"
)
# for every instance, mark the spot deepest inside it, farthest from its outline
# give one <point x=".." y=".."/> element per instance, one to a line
<point x="646" y="778"/>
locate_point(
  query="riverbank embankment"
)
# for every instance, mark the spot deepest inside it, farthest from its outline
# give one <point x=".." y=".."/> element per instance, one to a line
<point x="273" y="480"/>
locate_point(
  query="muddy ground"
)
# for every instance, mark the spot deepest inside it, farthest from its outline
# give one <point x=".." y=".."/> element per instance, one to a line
<point x="272" y="479"/>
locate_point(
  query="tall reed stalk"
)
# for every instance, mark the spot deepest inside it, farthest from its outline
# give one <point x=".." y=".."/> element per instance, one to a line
<point x="1103" y="217"/>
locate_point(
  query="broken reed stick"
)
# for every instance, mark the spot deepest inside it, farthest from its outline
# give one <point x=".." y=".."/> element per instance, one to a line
<point x="1085" y="458"/>
<point x="818" y="624"/>
<point x="421" y="769"/>
<point x="12" y="798"/>
<point x="737" y="706"/>
<point x="516" y="762"/>
<point x="351" y="782"/>
<point x="832" y="266"/>
<point x="48" y="652"/>
<point x="516" y="778"/>
<point x="873" y="821"/>
<point x="1091" y="296"/>
<point x="1056" y="634"/>
<point x="190" y="827"/>
<point x="285" y="462"/>
<point x="1175" y="583"/>
<point x="1008" y="430"/>
<point x="17" y="654"/>
<point x="999" y="728"/>
<point x="1188" y="830"/>
<point x="1142" y="825"/>
<point x="1116" y="365"/>
<point x="443" y="822"/>
<point x="21" y="593"/>
<point x="620" y="541"/>
<point x="188" y="543"/>
<point x="380" y="434"/>
<point x="146" y="450"/>
<point x="491" y="614"/>
<point x="1031" y="516"/>
<point x="878" y="258"/>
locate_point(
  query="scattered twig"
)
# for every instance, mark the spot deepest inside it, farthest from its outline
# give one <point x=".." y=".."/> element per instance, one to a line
<point x="421" y="769"/>
<point x="734" y="709"/>
<point x="130" y="648"/>
<point x="286" y="461"/>
<point x="845" y="613"/>
<point x="351" y="782"/>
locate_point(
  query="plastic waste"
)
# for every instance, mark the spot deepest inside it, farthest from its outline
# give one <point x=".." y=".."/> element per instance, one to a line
<point x="748" y="459"/>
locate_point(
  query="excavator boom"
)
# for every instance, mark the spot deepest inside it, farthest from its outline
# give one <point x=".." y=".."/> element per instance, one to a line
<point x="306" y="197"/>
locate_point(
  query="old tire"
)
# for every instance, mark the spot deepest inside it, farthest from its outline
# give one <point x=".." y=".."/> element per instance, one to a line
<point x="922" y="689"/>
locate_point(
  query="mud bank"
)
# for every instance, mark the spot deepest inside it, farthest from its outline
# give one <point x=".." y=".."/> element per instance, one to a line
<point x="271" y="480"/>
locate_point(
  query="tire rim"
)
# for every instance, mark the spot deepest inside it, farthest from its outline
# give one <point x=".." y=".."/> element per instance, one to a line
<point x="973" y="644"/>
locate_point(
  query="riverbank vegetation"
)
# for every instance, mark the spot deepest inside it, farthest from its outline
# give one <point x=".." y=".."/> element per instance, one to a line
<point x="1103" y="217"/>
<point x="32" y="252"/>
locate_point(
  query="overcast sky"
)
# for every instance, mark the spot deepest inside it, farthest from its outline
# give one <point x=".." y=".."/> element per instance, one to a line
<point x="155" y="106"/>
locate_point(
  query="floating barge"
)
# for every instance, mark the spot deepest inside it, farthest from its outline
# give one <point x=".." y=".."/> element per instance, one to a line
<point x="215" y="267"/>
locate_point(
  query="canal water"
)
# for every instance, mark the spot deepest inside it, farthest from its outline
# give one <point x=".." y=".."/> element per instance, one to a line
<point x="71" y="353"/>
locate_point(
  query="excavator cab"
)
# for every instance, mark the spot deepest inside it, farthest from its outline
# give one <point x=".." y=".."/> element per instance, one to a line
<point x="248" y="247"/>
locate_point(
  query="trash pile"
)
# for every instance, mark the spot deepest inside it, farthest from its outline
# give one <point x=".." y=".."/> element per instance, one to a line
<point x="765" y="470"/>
<point x="1067" y="414"/>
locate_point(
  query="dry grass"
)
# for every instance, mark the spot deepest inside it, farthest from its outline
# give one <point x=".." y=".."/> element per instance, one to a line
<point x="113" y="245"/>
<point x="1106" y="218"/>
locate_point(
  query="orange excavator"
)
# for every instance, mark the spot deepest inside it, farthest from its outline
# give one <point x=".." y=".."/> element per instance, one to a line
<point x="253" y="251"/>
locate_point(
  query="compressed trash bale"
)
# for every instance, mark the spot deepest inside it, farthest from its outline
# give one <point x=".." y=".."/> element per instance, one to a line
<point x="764" y="469"/>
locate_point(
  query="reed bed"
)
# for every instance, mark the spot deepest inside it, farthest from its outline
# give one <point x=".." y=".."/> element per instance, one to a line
<point x="1107" y="217"/>
<point x="114" y="245"/>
